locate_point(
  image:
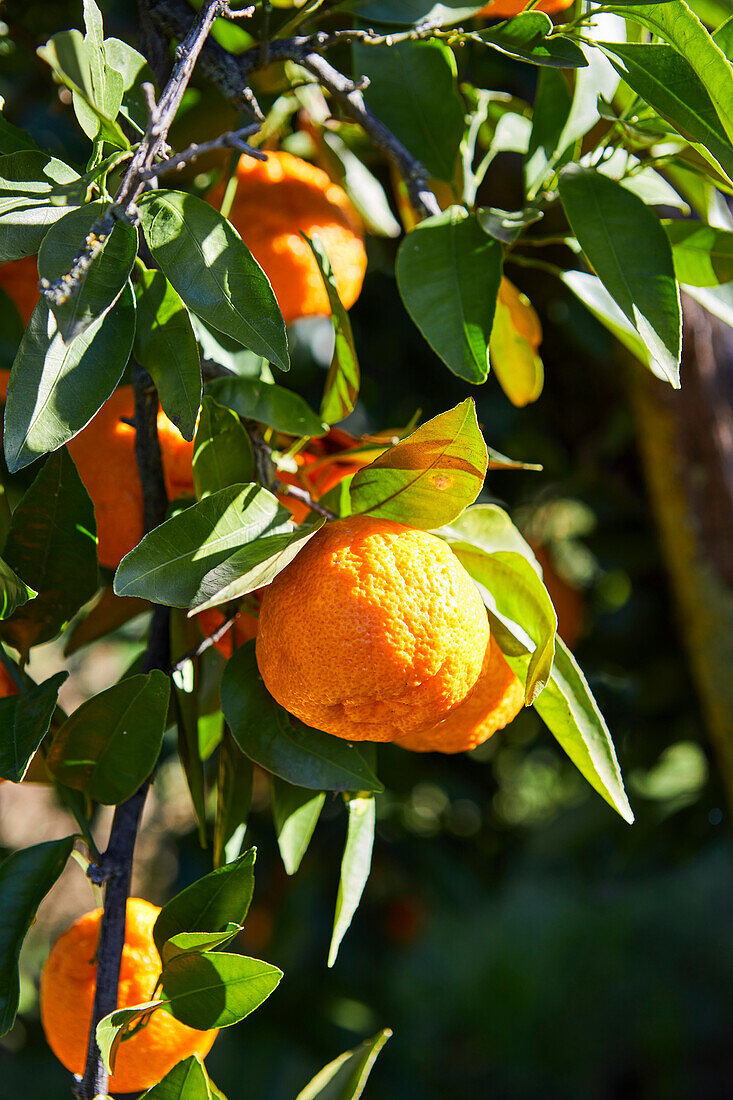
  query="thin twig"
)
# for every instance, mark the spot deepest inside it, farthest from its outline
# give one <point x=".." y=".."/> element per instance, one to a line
<point x="232" y="139"/>
<point x="207" y="642"/>
<point x="304" y="496"/>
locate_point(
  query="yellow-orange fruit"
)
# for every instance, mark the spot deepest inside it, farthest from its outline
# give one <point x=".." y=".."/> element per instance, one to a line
<point x="506" y="9"/>
<point x="373" y="631"/>
<point x="67" y="996"/>
<point x="276" y="201"/>
<point x="19" y="279"/>
<point x="496" y="699"/>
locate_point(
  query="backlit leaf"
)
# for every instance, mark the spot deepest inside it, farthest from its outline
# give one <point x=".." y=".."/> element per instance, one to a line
<point x="24" y="722"/>
<point x="355" y="866"/>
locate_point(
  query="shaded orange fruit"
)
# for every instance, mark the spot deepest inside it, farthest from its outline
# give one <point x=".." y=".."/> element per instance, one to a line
<point x="242" y="629"/>
<point x="496" y="699"/>
<point x="505" y="9"/>
<point x="7" y="684"/>
<point x="67" y="996"/>
<point x="375" y="630"/>
<point x="276" y="201"/>
<point x="19" y="279"/>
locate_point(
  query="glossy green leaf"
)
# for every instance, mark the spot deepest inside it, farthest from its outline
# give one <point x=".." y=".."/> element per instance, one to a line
<point x="170" y="563"/>
<point x="214" y="272"/>
<point x="222" y="451"/>
<point x="413" y="91"/>
<point x="112" y="1030"/>
<point x="355" y="866"/>
<point x="111" y="742"/>
<point x="13" y="591"/>
<point x="24" y="721"/>
<point x="25" y="879"/>
<point x="35" y="191"/>
<point x="552" y="104"/>
<point x="183" y="943"/>
<point x="448" y="274"/>
<point x="295" y="811"/>
<point x="166" y="346"/>
<point x="233" y="801"/>
<point x="270" y="737"/>
<point x="209" y="905"/>
<point x="428" y="478"/>
<point x="629" y="251"/>
<point x="365" y="191"/>
<point x="703" y="255"/>
<point x="56" y="388"/>
<point x="185" y="711"/>
<point x="13" y="139"/>
<point x="667" y="81"/>
<point x="97" y="89"/>
<point x="186" y="1081"/>
<point x="345" y="1078"/>
<point x="525" y="37"/>
<point x="135" y="72"/>
<point x="52" y="545"/>
<point x="217" y="989"/>
<point x="278" y="408"/>
<point x="507" y="225"/>
<point x="342" y="382"/>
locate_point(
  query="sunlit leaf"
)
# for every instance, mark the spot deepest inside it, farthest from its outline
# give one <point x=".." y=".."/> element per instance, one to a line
<point x="355" y="866"/>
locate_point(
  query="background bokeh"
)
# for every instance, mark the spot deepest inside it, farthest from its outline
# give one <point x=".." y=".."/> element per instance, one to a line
<point x="519" y="938"/>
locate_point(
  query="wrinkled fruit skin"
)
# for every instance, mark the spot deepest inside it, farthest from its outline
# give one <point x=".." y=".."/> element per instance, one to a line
<point x="505" y="9"/>
<point x="276" y="201"/>
<point x="496" y="699"/>
<point x="19" y="280"/>
<point x="374" y="631"/>
<point x="67" y="995"/>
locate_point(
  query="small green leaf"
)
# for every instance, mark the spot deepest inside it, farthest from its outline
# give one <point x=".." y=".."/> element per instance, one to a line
<point x="170" y="563"/>
<point x="355" y="867"/>
<point x="703" y="255"/>
<point x="507" y="225"/>
<point x="97" y="89"/>
<point x="270" y="737"/>
<point x="166" y="346"/>
<point x="211" y="904"/>
<point x="13" y="591"/>
<point x="345" y="1078"/>
<point x="222" y="451"/>
<point x="135" y="72"/>
<point x="278" y="408"/>
<point x="24" y="721"/>
<point x="111" y="742"/>
<point x="112" y="1030"/>
<point x="214" y="272"/>
<point x="551" y="112"/>
<point x="295" y="811"/>
<point x="427" y="479"/>
<point x="185" y="942"/>
<point x="25" y="879"/>
<point x="526" y="38"/>
<point x="217" y="989"/>
<point x="448" y="274"/>
<point x="186" y="1081"/>
<point x="364" y="189"/>
<point x="342" y="382"/>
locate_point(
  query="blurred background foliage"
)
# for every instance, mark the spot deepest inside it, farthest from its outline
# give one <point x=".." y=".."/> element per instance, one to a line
<point x="519" y="938"/>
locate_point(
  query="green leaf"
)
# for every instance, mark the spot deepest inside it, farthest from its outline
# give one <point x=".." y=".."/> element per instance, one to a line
<point x="170" y="563"/>
<point x="166" y="346"/>
<point x="629" y="251"/>
<point x="185" y="711"/>
<point x="233" y="801"/>
<point x="25" y="879"/>
<point x="186" y="1081"/>
<point x="295" y="811"/>
<point x="553" y="101"/>
<point x="13" y="139"/>
<point x="222" y="452"/>
<point x="681" y="28"/>
<point x="448" y="274"/>
<point x="490" y="528"/>
<point x="185" y="942"/>
<point x="413" y="91"/>
<point x="97" y="89"/>
<point x="525" y="37"/>
<point x="278" y="408"/>
<point x="216" y="990"/>
<point x="100" y="284"/>
<point x="211" y="904"/>
<point x="214" y="272"/>
<point x="667" y="81"/>
<point x="111" y="742"/>
<point x="56" y="388"/>
<point x="52" y="545"/>
<point x="270" y="737"/>
<point x="24" y="721"/>
<point x="342" y="382"/>
<point x="14" y="592"/>
<point x="365" y="191"/>
<point x="703" y="255"/>
<point x="252" y="567"/>
<point x="113" y="1029"/>
<point x="345" y="1078"/>
<point x="355" y="866"/>
<point x="428" y="478"/>
<point x="35" y="191"/>
<point x="507" y="225"/>
<point x="135" y="72"/>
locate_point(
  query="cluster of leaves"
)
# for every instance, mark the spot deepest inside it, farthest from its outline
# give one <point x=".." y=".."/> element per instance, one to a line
<point x="633" y="110"/>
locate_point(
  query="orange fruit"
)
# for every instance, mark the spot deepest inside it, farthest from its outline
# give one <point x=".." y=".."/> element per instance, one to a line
<point x="496" y="699"/>
<point x="7" y="684"/>
<point x="375" y="630"/>
<point x="67" y="996"/>
<point x="242" y="629"/>
<point x="324" y="463"/>
<point x="19" y="280"/>
<point x="276" y="201"/>
<point x="104" y="453"/>
<point x="505" y="9"/>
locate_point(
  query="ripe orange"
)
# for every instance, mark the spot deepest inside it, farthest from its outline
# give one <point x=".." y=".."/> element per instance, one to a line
<point x="19" y="279"/>
<point x="395" y="629"/>
<point x="67" y="996"/>
<point x="505" y="9"/>
<point x="276" y="200"/>
<point x="496" y="699"/>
